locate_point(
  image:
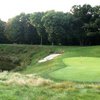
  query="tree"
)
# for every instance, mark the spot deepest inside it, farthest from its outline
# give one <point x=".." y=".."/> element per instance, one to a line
<point x="2" y="31"/>
<point x="53" y="23"/>
<point x="35" y="20"/>
<point x="81" y="26"/>
<point x="19" y="30"/>
<point x="93" y="27"/>
<point x="82" y="16"/>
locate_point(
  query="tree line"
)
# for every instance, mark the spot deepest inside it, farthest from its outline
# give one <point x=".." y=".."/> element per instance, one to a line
<point x="80" y="26"/>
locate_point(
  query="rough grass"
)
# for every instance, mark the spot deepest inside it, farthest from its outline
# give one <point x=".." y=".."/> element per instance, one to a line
<point x="9" y="78"/>
<point x="25" y="54"/>
<point x="29" y="56"/>
<point x="59" y="91"/>
<point x="16" y="86"/>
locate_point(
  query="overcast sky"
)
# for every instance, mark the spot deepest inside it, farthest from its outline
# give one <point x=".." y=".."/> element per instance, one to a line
<point x="11" y="8"/>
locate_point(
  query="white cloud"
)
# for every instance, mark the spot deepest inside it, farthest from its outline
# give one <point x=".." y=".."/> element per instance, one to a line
<point x="10" y="8"/>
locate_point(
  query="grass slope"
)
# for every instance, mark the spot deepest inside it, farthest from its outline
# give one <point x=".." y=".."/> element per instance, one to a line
<point x="29" y="55"/>
<point x="26" y="54"/>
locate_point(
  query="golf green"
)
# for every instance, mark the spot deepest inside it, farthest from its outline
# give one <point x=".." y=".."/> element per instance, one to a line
<point x="82" y="69"/>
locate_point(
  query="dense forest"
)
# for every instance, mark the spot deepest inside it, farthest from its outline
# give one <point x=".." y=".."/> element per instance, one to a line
<point x="80" y="26"/>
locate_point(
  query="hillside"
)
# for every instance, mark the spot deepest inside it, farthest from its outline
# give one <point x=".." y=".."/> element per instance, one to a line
<point x="24" y="55"/>
<point x="73" y="75"/>
<point x="26" y="58"/>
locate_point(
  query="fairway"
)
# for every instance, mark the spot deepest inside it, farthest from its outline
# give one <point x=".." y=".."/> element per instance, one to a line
<point x="82" y="69"/>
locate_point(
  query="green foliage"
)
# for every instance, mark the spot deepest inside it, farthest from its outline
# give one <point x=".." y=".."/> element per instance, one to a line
<point x="8" y="62"/>
<point x="2" y="31"/>
<point x="23" y="55"/>
<point x="54" y="25"/>
<point x="35" y="20"/>
<point x="80" y="26"/>
<point x="19" y="30"/>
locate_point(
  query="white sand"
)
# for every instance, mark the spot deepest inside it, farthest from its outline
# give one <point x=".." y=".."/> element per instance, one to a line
<point x="49" y="57"/>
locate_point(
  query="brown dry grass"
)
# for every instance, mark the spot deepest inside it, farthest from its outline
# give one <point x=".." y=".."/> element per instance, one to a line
<point x="20" y="79"/>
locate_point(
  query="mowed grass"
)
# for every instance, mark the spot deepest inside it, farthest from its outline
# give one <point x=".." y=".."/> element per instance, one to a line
<point x="63" y="67"/>
<point x="72" y="57"/>
<point x="58" y="69"/>
<point x="82" y="69"/>
<point x="46" y="68"/>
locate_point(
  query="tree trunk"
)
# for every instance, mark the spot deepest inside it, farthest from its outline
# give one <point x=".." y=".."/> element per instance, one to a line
<point x="81" y="42"/>
<point x="52" y="43"/>
<point x="41" y="42"/>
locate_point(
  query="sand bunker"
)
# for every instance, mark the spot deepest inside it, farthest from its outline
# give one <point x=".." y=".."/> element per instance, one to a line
<point x="49" y="57"/>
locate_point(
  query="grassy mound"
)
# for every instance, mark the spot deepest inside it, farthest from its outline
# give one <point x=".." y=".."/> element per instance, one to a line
<point x="18" y="57"/>
<point x="84" y="69"/>
<point x="81" y="63"/>
<point x="63" y="67"/>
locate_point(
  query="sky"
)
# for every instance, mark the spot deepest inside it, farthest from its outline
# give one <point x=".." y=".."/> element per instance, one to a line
<point x="11" y="8"/>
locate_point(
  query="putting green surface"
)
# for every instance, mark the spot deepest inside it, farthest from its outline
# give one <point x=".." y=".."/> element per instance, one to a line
<point x="82" y="69"/>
